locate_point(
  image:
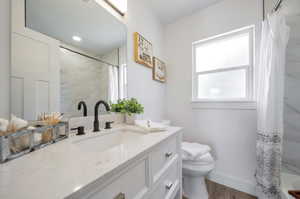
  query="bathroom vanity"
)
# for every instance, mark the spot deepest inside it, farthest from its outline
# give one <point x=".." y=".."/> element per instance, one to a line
<point x="122" y="163"/>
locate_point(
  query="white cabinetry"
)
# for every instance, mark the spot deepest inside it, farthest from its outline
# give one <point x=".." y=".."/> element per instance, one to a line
<point x="155" y="174"/>
<point x="132" y="184"/>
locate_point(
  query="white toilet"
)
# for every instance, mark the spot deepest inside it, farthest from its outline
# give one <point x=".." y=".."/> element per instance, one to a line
<point x="194" y="173"/>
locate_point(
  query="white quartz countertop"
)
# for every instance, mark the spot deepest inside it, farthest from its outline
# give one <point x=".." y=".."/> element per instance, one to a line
<point x="61" y="169"/>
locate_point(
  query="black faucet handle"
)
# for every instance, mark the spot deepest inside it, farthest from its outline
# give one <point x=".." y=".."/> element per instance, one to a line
<point x="80" y="130"/>
<point x="108" y="124"/>
<point x="82" y="103"/>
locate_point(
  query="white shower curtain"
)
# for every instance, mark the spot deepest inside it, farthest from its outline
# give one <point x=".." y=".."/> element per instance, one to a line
<point x="113" y="81"/>
<point x="271" y="73"/>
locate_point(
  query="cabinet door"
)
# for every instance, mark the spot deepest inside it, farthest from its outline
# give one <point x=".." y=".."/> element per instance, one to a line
<point x="133" y="184"/>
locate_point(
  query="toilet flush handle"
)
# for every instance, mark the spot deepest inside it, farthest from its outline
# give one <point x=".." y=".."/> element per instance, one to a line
<point x="169" y="154"/>
<point x="169" y="185"/>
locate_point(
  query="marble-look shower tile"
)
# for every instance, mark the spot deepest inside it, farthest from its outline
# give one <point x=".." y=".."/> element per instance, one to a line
<point x="291" y="144"/>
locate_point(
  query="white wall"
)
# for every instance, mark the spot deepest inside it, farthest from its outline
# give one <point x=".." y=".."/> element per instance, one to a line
<point x="231" y="133"/>
<point x="4" y="57"/>
<point x="140" y="84"/>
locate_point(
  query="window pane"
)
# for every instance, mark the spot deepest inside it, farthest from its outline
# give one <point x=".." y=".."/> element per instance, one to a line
<point x="222" y="85"/>
<point x="223" y="53"/>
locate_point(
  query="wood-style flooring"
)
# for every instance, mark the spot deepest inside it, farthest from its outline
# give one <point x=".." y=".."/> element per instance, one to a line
<point x="218" y="191"/>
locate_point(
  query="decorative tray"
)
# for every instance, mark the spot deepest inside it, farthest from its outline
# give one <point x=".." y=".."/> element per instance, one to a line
<point x="24" y="141"/>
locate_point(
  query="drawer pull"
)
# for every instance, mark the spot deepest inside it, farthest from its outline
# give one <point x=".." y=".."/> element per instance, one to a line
<point x="169" y="154"/>
<point x="169" y="186"/>
<point x="120" y="196"/>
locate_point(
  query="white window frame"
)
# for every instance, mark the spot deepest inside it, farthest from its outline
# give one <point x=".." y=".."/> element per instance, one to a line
<point x="249" y="69"/>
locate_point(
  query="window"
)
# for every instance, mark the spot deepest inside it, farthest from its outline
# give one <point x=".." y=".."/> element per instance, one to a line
<point x="223" y="67"/>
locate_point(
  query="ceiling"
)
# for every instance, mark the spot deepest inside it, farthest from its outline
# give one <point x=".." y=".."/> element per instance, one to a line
<point x="171" y="10"/>
<point x="62" y="19"/>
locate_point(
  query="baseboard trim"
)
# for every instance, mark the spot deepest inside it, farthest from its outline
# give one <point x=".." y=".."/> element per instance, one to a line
<point x="233" y="182"/>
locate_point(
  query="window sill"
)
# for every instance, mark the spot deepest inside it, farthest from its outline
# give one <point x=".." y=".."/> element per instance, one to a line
<point x="239" y="105"/>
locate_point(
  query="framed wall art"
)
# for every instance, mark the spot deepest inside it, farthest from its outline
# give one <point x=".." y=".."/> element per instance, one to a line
<point x="143" y="51"/>
<point x="159" y="70"/>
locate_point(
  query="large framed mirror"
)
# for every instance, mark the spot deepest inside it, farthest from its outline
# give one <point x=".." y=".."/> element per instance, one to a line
<point x="65" y="52"/>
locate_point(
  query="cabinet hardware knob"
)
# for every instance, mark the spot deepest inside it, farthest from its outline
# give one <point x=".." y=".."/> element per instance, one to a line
<point x="169" y="154"/>
<point x="169" y="186"/>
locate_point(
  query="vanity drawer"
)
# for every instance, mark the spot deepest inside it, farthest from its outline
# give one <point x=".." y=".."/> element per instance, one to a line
<point x="168" y="185"/>
<point x="131" y="185"/>
<point x="162" y="156"/>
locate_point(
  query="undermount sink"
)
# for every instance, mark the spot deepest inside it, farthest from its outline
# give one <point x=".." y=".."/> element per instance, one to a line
<point x="108" y="141"/>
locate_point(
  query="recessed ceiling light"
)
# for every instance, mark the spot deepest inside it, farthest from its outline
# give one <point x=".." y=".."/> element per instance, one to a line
<point x="76" y="38"/>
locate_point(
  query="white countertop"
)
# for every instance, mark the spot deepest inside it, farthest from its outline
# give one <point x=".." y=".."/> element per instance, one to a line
<point x="61" y="169"/>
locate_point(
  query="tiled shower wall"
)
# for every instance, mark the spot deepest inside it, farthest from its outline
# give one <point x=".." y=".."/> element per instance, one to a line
<point x="291" y="148"/>
<point x="84" y="79"/>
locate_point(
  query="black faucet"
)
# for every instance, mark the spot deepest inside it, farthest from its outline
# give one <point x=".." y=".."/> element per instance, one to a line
<point x="96" y="121"/>
<point x="82" y="103"/>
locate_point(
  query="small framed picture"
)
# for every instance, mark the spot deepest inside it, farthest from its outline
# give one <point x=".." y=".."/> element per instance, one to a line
<point x="159" y="70"/>
<point x="143" y="51"/>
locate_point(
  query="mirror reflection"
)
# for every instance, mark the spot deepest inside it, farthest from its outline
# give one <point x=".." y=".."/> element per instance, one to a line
<point x="90" y="52"/>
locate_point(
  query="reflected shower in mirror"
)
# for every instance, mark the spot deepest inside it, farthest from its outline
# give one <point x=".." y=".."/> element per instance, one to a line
<point x="89" y="45"/>
<point x="88" y="79"/>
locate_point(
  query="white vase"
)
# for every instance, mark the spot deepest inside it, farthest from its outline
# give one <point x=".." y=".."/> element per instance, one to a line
<point x="129" y="119"/>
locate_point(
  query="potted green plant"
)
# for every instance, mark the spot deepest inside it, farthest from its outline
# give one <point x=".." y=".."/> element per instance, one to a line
<point x="130" y="107"/>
